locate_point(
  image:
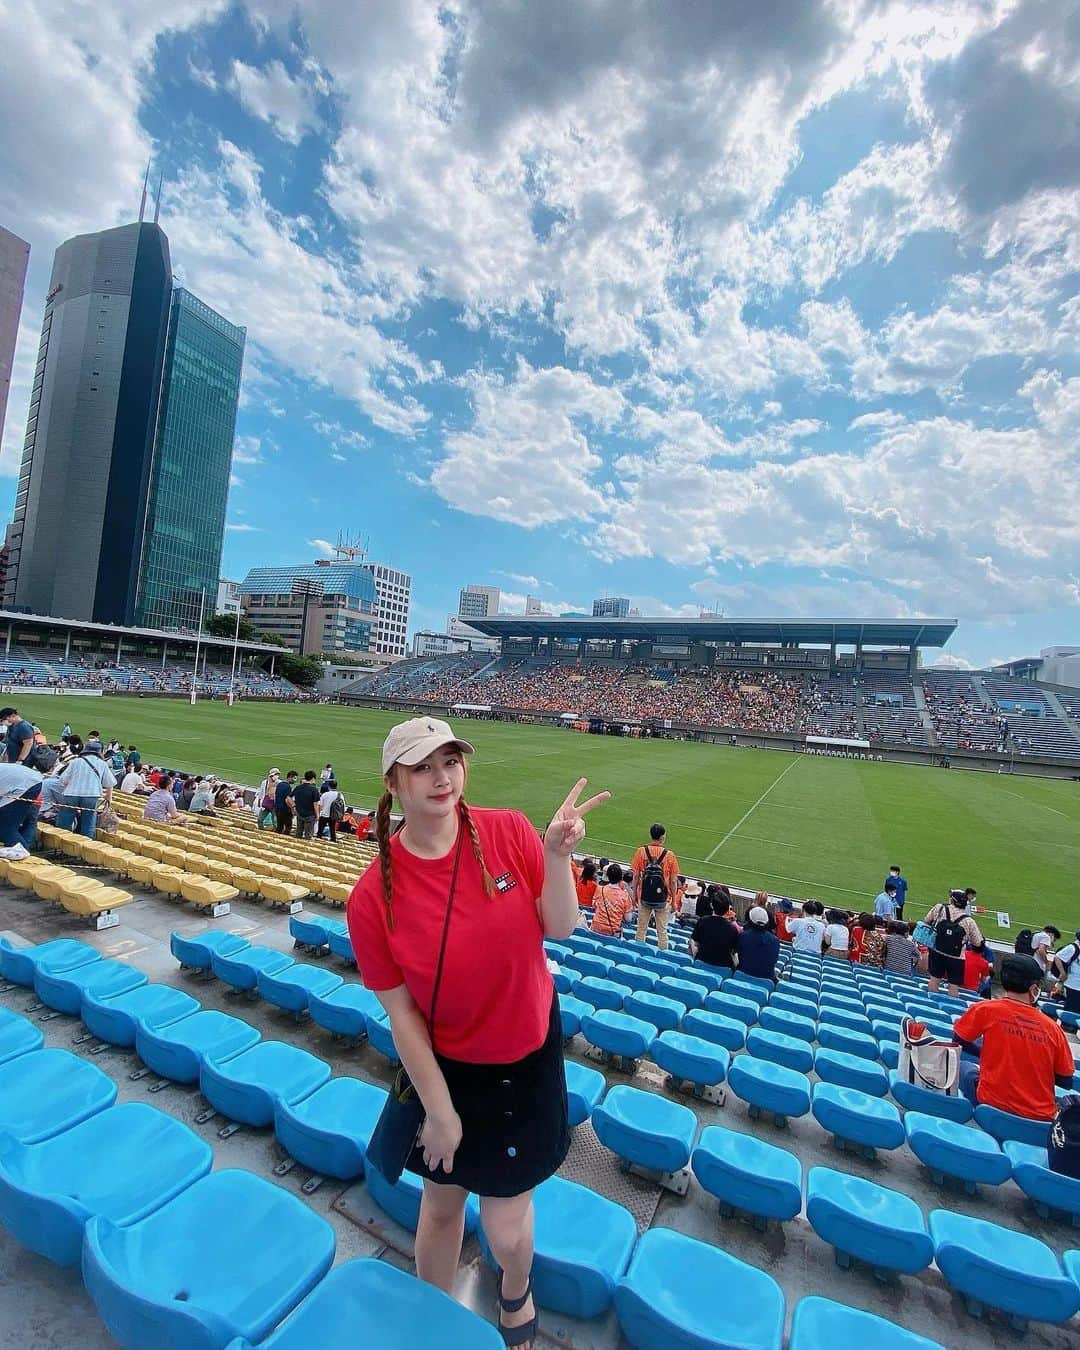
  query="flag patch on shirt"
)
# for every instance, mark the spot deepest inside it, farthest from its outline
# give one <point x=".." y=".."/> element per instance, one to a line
<point x="505" y="882"/>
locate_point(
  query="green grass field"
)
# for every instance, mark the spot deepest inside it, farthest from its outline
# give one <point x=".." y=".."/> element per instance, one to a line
<point x="795" y="825"/>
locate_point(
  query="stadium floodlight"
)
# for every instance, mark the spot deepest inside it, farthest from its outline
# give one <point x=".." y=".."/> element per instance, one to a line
<point x="307" y="587"/>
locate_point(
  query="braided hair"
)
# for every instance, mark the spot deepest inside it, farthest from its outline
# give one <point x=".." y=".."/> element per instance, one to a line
<point x="383" y="833"/>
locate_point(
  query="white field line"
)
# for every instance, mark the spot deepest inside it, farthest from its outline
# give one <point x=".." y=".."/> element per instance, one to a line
<point x="1032" y="802"/>
<point x="746" y="816"/>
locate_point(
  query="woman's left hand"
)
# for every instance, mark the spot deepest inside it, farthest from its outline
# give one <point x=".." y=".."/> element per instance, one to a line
<point x="567" y="828"/>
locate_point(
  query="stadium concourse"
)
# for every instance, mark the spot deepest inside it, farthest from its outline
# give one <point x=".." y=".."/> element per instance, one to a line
<point x="746" y="1168"/>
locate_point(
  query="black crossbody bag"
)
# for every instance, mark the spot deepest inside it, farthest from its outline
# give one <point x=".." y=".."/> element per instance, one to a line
<point x="402" y="1118"/>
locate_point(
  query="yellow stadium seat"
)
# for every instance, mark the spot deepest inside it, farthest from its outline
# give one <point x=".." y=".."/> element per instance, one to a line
<point x="167" y="879"/>
<point x="285" y="893"/>
<point x="207" y="894"/>
<point x="141" y="870"/>
<point x="337" y="892"/>
<point x="47" y="883"/>
<point x="95" y="903"/>
<point x="20" y="874"/>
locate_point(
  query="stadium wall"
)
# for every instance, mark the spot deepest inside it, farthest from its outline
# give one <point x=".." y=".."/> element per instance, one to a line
<point x="988" y="761"/>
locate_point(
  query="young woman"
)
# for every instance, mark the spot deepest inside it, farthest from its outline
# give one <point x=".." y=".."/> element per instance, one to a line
<point x="837" y="934"/>
<point x="493" y="1087"/>
<point x="612" y="905"/>
<point x="587" y="885"/>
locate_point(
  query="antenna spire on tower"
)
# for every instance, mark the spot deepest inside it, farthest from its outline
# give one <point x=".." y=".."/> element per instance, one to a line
<point x="157" y="196"/>
<point x="142" y="200"/>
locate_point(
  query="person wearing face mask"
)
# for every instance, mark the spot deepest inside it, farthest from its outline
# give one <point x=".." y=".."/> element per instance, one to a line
<point x="448" y="931"/>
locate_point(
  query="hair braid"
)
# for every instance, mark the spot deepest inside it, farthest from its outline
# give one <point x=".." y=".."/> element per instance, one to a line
<point x="382" y="835"/>
<point x="478" y="852"/>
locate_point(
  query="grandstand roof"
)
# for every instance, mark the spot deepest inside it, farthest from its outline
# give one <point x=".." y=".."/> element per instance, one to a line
<point x="871" y="632"/>
<point x="174" y="635"/>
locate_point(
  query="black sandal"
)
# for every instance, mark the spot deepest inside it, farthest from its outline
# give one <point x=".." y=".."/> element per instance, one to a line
<point x="526" y="1333"/>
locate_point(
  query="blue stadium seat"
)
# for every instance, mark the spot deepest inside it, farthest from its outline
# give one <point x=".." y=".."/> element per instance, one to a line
<point x="45" y="1092"/>
<point x="116" y="1019"/>
<point x="1050" y="1192"/>
<point x="194" y="953"/>
<point x="341" y="946"/>
<point x="835" y="1066"/>
<point x="381" y="1038"/>
<point x="618" y="1033"/>
<point x="177" y="1051"/>
<point x="743" y="986"/>
<point x="645" y="1129"/>
<point x="850" y="1042"/>
<point x="747" y="1174"/>
<point x="247" y="1087"/>
<point x="780" y="1049"/>
<point x="712" y="1026"/>
<point x="587" y="964"/>
<point x="770" y="1087"/>
<point x="790" y="1024"/>
<point x="1003" y="1269"/>
<point x="820" y="1322"/>
<point x="800" y="1007"/>
<point x="855" y="1117"/>
<point x="687" y="993"/>
<point x="706" y="979"/>
<point x="240" y="970"/>
<point x="730" y="1005"/>
<point x="583" y="1244"/>
<point x="291" y="989"/>
<point x="122" y="1163"/>
<point x="63" y="990"/>
<point x="914" y="1098"/>
<point x="572" y="1011"/>
<point x="690" y="1058"/>
<point x="18" y="1035"/>
<point x="584" y="1088"/>
<point x="601" y="993"/>
<point x="185" y="1274"/>
<point x="859" y="1218"/>
<point x="889" y="1054"/>
<point x="556" y="951"/>
<point x="952" y="1150"/>
<point x="310" y="932"/>
<point x="329" y="1130"/>
<point x="402" y="1199"/>
<point x="640" y="981"/>
<point x="19" y="964"/>
<point x="370" y="1302"/>
<point x="663" y="1011"/>
<point x="659" y="1312"/>
<point x="345" y="1010"/>
<point x="846" y="1021"/>
<point x="1004" y="1125"/>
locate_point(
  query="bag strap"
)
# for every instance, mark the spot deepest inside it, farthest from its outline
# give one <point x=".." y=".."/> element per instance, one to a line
<point x="445" y="932"/>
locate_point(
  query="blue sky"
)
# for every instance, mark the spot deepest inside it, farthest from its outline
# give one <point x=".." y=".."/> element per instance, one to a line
<point x="770" y="311"/>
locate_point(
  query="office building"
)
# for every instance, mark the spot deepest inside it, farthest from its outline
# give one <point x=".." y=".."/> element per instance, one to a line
<point x="611" y="607"/>
<point x="75" y="541"/>
<point x="533" y="605"/>
<point x="14" y="259"/>
<point x="459" y="631"/>
<point x="228" y="597"/>
<point x="478" y="602"/>
<point x="392" y="592"/>
<point x="426" y="643"/>
<point x="181" y="562"/>
<point x="320" y="608"/>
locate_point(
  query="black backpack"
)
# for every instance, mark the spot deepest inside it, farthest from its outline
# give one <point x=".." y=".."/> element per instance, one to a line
<point x="948" y="936"/>
<point x="1023" y="943"/>
<point x="1064" y="1145"/>
<point x="41" y="757"/>
<point x="654" y="887"/>
<point x="337" y="808"/>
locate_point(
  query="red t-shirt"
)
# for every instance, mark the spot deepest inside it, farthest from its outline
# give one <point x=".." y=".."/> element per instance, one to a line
<point x="1022" y="1051"/>
<point x="976" y="966"/>
<point x="495" y="997"/>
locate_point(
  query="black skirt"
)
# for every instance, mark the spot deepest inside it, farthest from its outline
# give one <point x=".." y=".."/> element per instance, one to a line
<point x="515" y="1131"/>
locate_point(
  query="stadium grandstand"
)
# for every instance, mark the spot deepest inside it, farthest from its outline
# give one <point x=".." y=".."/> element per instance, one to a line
<point x="42" y="654"/>
<point x="831" y="680"/>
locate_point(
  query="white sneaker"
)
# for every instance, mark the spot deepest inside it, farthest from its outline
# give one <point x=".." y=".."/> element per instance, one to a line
<point x="15" y="853"/>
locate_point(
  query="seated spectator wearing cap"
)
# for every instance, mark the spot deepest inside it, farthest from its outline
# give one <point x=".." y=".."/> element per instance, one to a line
<point x="785" y="910"/>
<point x="715" y="939"/>
<point x="611" y="904"/>
<point x="901" y="954"/>
<point x="837" y="934"/>
<point x="758" y="948"/>
<point x="1023" y="1054"/>
<point x="688" y="904"/>
<point x="1067" y="969"/>
<point x="1042" y="947"/>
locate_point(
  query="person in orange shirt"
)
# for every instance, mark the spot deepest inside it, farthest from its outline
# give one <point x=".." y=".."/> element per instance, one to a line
<point x="1024" y="1054"/>
<point x="785" y="909"/>
<point x="655" y="897"/>
<point x="587" y="884"/>
<point x="611" y="904"/>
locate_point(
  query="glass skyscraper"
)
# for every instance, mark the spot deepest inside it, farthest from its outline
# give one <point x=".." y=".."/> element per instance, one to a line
<point x="189" y="477"/>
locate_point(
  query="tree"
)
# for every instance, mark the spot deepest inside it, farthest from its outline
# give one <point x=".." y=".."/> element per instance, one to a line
<point x="224" y="626"/>
<point x="302" y="670"/>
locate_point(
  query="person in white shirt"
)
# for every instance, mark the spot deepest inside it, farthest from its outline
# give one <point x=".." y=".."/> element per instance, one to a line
<point x="132" y="782"/>
<point x="86" y="780"/>
<point x="1066" y="965"/>
<point x="837" y="934"/>
<point x="808" y="932"/>
<point x="1042" y="947"/>
<point x="327" y="818"/>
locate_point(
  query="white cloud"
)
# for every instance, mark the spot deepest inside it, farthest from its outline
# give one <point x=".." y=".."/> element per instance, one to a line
<point x="241" y="527"/>
<point x="533" y="583"/>
<point x="886" y="418"/>
<point x="323" y="547"/>
<point x="275" y="96"/>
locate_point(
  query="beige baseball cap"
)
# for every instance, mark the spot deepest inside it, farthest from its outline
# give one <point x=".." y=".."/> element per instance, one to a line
<point x="412" y="741"/>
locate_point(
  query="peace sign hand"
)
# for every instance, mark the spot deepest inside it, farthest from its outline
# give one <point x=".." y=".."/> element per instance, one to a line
<point x="567" y="828"/>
